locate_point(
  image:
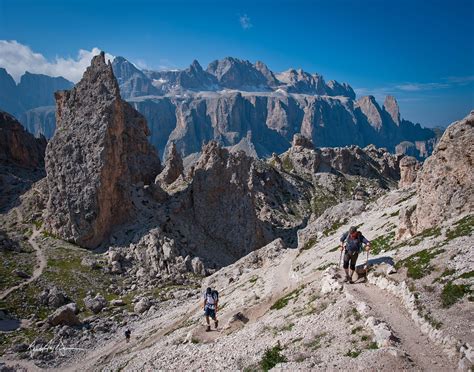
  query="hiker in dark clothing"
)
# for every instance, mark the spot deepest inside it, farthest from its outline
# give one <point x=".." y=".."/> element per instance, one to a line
<point x="210" y="305"/>
<point x="351" y="242"/>
<point x="127" y="335"/>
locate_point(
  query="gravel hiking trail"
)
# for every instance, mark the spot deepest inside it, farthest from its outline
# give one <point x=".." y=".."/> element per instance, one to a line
<point x="426" y="355"/>
<point x="283" y="281"/>
<point x="40" y="260"/>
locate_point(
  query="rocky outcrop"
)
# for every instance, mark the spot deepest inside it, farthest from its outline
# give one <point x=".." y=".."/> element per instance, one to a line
<point x="99" y="150"/>
<point x="390" y="105"/>
<point x="406" y="222"/>
<point x="418" y="149"/>
<point x="173" y="168"/>
<point x="53" y="297"/>
<point x="369" y="162"/>
<point x="409" y="168"/>
<point x="371" y="110"/>
<point x="142" y="305"/>
<point x="445" y="184"/>
<point x="222" y="200"/>
<point x="17" y="146"/>
<point x="95" y="304"/>
<point x="65" y="315"/>
<point x="299" y="140"/>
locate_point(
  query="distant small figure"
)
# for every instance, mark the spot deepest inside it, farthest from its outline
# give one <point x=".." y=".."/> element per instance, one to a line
<point x="127" y="335"/>
<point x="210" y="305"/>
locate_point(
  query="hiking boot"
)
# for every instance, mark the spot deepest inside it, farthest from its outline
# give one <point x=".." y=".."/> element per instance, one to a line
<point x="216" y="323"/>
<point x="208" y="329"/>
<point x="347" y="280"/>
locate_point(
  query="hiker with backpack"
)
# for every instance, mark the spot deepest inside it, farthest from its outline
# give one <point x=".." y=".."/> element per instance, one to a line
<point x="210" y="306"/>
<point x="127" y="335"/>
<point x="351" y="243"/>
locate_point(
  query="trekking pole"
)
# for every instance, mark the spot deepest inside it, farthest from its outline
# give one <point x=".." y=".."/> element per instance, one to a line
<point x="340" y="259"/>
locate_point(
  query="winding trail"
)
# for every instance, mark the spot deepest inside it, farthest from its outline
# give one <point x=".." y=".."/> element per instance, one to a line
<point x="425" y="354"/>
<point x="40" y="260"/>
<point x="284" y="281"/>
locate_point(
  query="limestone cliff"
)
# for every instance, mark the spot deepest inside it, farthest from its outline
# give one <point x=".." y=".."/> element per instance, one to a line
<point x="99" y="149"/>
<point x="445" y="184"/>
<point x="17" y="146"/>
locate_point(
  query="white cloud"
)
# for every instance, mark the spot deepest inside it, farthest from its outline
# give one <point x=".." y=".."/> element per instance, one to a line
<point x="416" y="87"/>
<point x="245" y="22"/>
<point x="17" y="58"/>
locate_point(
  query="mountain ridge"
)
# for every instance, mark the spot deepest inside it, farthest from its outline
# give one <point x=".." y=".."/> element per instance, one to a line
<point x="233" y="97"/>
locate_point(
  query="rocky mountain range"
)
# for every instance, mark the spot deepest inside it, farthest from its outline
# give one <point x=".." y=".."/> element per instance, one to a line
<point x="247" y="105"/>
<point x="265" y="232"/>
<point x="240" y="105"/>
<point x="33" y="92"/>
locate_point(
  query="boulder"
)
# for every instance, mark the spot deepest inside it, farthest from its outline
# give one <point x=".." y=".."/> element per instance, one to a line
<point x="65" y="315"/>
<point x="53" y="297"/>
<point x="198" y="267"/>
<point x="95" y="304"/>
<point x="142" y="305"/>
<point x="21" y="274"/>
<point x="117" y="302"/>
<point x="329" y="283"/>
<point x="90" y="263"/>
<point x="116" y="267"/>
<point x="406" y="222"/>
<point x="383" y="335"/>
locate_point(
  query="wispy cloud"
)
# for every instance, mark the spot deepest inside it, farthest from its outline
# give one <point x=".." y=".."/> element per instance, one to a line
<point x="141" y="64"/>
<point x="407" y="88"/>
<point x="416" y="87"/>
<point x="245" y="22"/>
<point x="462" y="80"/>
<point x="379" y="93"/>
<point x="17" y="58"/>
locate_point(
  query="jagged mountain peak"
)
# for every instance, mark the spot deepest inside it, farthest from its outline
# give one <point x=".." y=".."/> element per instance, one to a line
<point x="100" y="75"/>
<point x="196" y="65"/>
<point x="236" y="73"/>
<point x="371" y="109"/>
<point x="390" y="105"/>
<point x="335" y="88"/>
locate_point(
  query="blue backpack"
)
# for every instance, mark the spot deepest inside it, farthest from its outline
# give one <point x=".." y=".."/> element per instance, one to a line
<point x="354" y="244"/>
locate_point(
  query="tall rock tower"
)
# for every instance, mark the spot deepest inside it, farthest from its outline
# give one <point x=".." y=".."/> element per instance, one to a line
<point x="99" y="150"/>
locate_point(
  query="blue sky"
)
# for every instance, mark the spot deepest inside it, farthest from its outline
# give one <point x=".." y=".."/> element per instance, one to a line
<point x="420" y="51"/>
